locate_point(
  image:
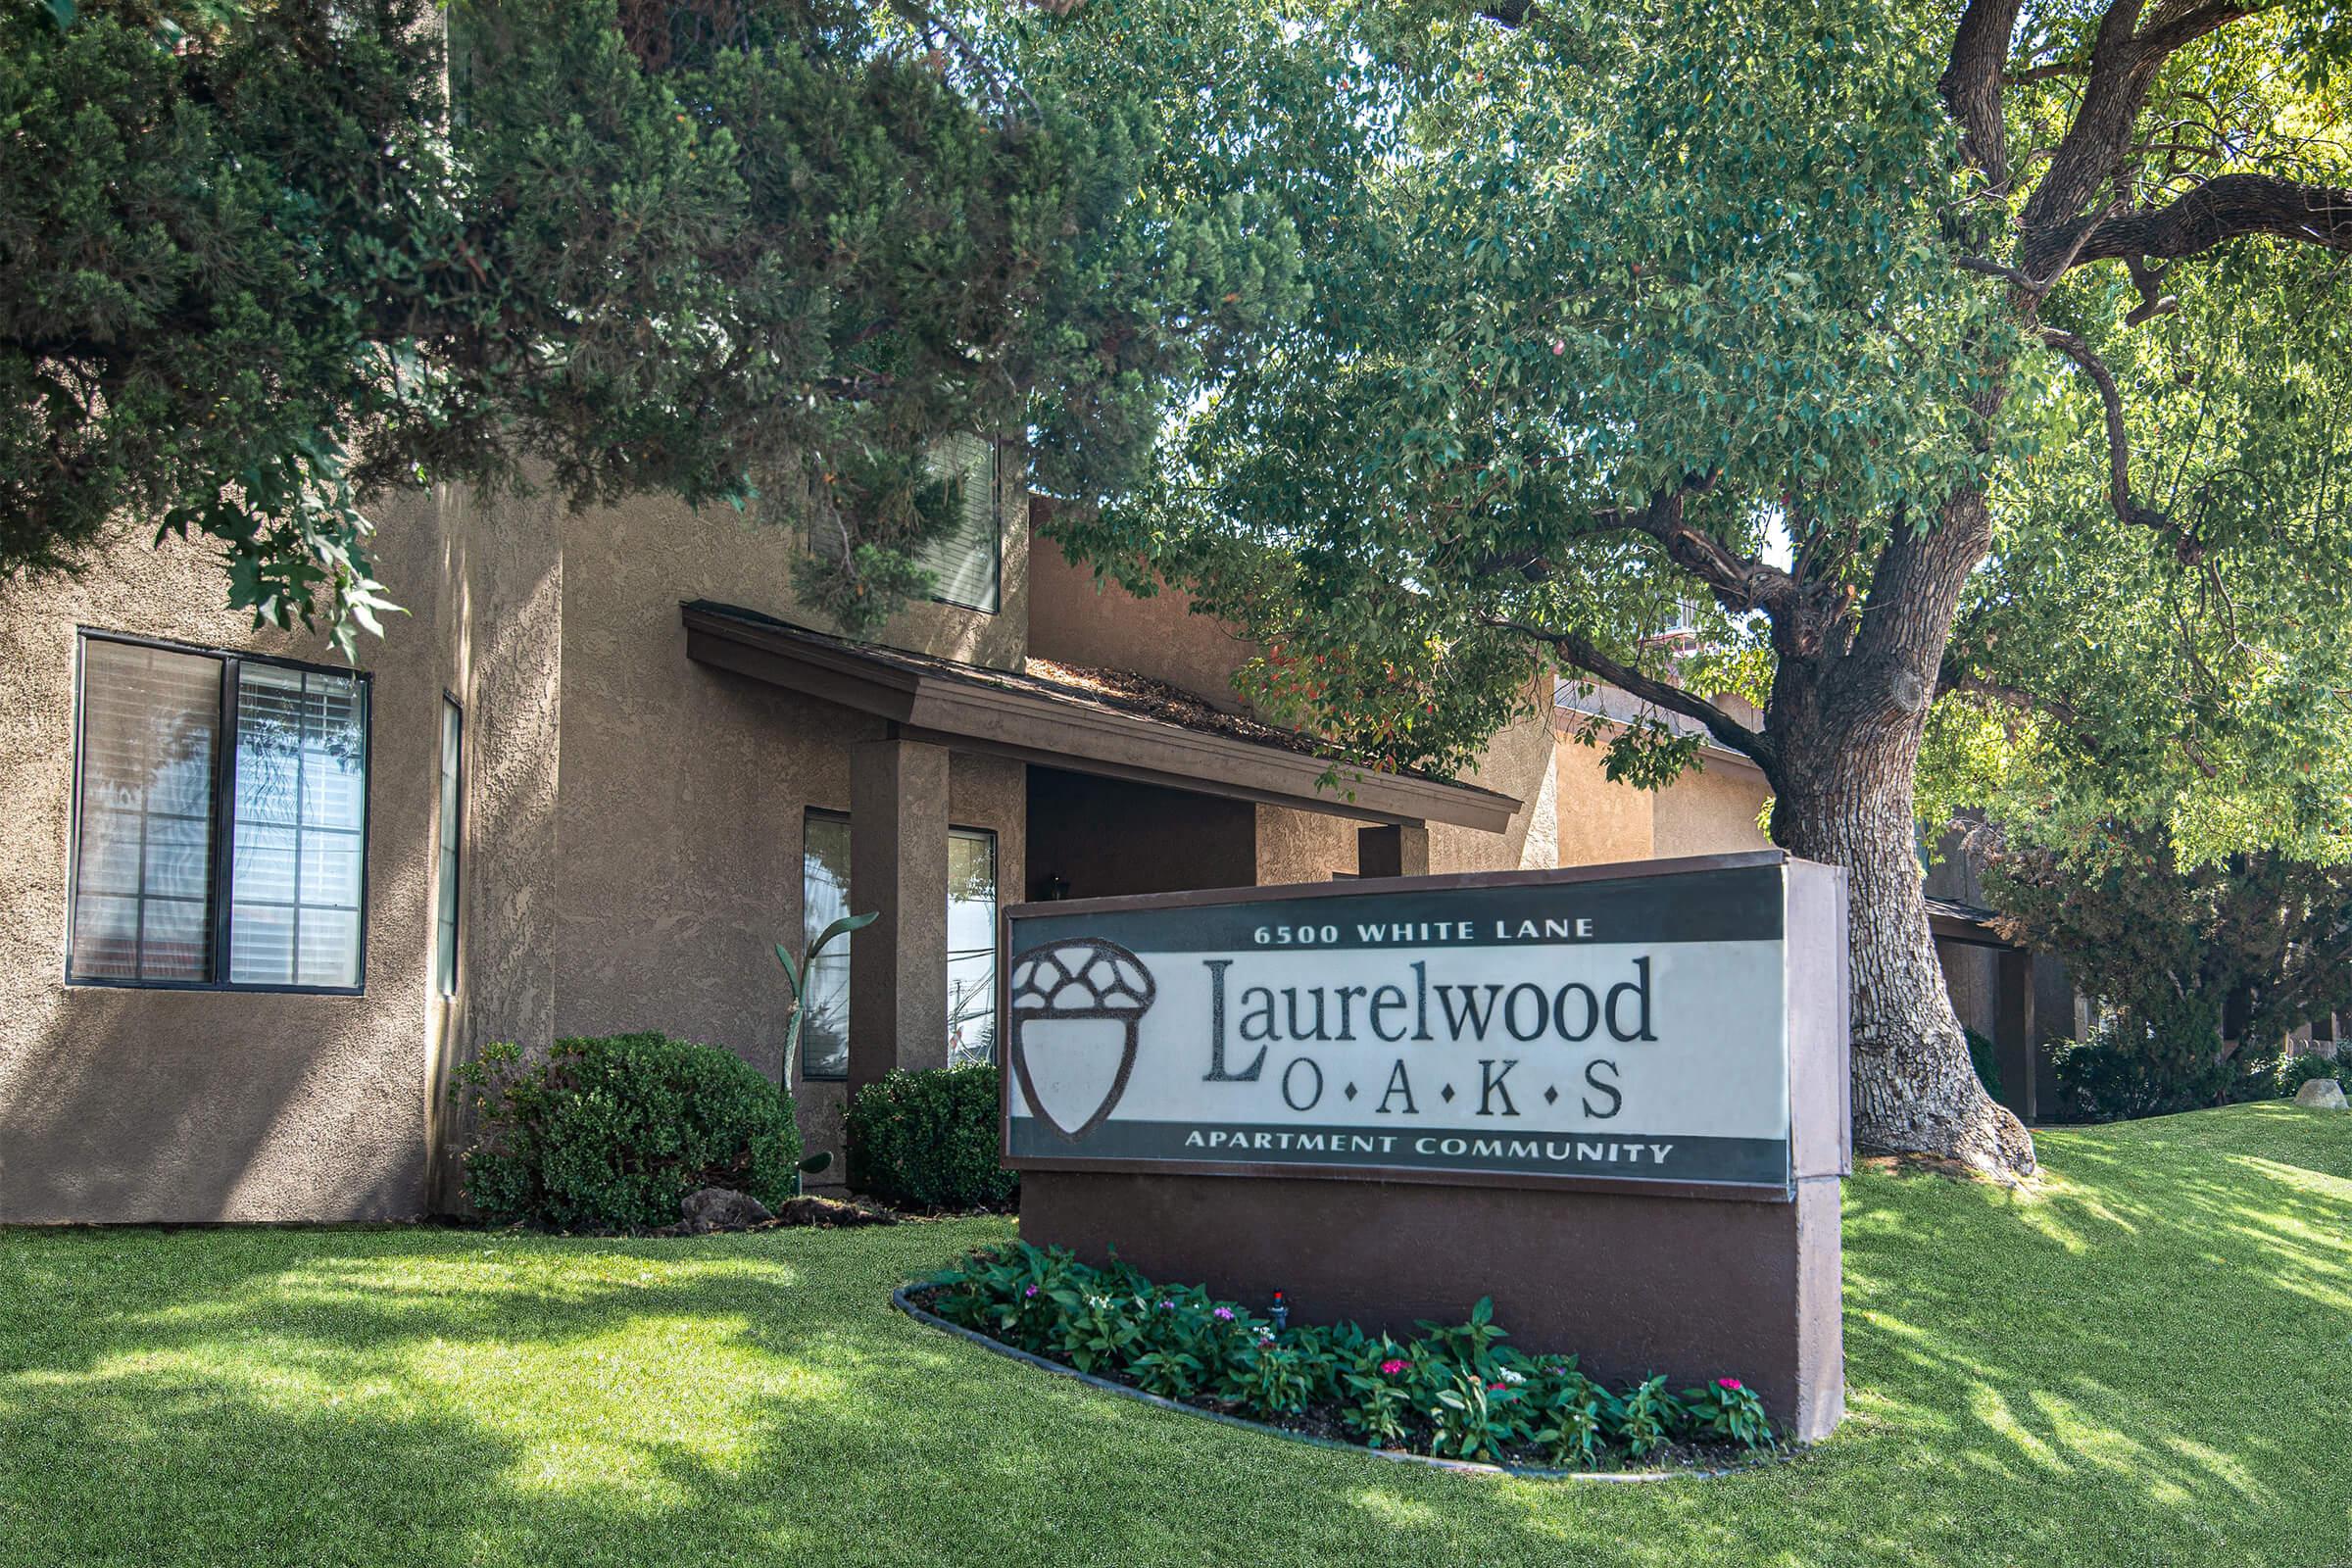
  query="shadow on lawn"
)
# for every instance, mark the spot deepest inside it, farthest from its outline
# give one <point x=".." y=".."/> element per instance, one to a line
<point x="2132" y="1365"/>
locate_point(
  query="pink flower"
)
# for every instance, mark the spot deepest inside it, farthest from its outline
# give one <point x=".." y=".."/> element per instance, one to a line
<point x="1031" y="1291"/>
<point x="1729" y="1383"/>
<point x="1392" y="1366"/>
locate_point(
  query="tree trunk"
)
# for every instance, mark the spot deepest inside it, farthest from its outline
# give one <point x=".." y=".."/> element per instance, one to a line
<point x="1849" y="724"/>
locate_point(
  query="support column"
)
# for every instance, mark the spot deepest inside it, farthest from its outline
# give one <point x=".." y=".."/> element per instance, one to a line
<point x="1392" y="851"/>
<point x="898" y="869"/>
<point x="2013" y="1043"/>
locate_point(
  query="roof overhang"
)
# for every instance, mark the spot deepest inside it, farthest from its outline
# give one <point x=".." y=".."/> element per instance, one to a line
<point x="1967" y="924"/>
<point x="961" y="707"/>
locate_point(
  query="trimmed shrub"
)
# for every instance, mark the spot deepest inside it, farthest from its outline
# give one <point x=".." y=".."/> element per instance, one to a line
<point x="929" y="1139"/>
<point x="2297" y="1070"/>
<point x="611" y="1134"/>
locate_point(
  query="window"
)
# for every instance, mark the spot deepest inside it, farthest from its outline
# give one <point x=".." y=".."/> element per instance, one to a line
<point x="453" y="806"/>
<point x="221" y="820"/>
<point x="825" y="898"/>
<point x="971" y="945"/>
<point x="966" y="560"/>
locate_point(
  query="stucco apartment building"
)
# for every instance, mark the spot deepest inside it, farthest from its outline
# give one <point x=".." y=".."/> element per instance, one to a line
<point x="256" y="904"/>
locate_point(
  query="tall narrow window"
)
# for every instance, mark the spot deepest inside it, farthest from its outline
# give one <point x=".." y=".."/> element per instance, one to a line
<point x="453" y="819"/>
<point x="196" y="766"/>
<point x="143" y="862"/>
<point x="971" y="945"/>
<point x="966" y="560"/>
<point x="825" y="898"/>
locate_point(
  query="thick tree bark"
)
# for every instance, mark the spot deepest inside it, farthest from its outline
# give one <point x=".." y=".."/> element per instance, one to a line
<point x="1914" y="1089"/>
<point x="1849" y="725"/>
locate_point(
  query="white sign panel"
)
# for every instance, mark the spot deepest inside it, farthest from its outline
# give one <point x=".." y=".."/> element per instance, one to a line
<point x="1522" y="1027"/>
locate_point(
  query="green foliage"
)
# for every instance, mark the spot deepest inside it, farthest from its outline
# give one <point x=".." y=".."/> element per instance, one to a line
<point x="1987" y="1060"/>
<point x="2182" y="671"/>
<point x="1649" y="1416"/>
<point x="611" y="1134"/>
<point x="795" y="972"/>
<point x="1569" y="266"/>
<point x="1456" y="1390"/>
<point x="760" y="254"/>
<point x="2207" y="967"/>
<point x="2294" y="1071"/>
<point x="929" y="1139"/>
<point x="1728" y="1410"/>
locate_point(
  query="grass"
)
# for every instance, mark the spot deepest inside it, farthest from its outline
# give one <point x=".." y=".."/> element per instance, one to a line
<point x="2142" y="1362"/>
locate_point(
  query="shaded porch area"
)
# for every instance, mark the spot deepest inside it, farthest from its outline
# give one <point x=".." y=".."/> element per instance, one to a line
<point x="1129" y="787"/>
<point x="2018" y="1000"/>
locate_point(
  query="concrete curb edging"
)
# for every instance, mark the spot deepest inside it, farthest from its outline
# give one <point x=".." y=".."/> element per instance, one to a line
<point x="1467" y="1468"/>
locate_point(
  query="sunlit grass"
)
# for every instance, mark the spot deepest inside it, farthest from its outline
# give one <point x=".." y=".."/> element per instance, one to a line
<point x="2142" y="1360"/>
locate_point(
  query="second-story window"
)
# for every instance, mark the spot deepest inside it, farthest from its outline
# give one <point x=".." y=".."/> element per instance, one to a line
<point x="966" y="561"/>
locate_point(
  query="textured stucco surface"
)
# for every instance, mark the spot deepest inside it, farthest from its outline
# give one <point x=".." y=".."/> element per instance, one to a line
<point x="1710" y="809"/>
<point x="631" y="853"/>
<point x="1078" y="621"/>
<point x="142" y="1105"/>
<point x="684" y="790"/>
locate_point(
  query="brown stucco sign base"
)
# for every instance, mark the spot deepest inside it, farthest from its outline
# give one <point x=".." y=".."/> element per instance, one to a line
<point x="1719" y="1254"/>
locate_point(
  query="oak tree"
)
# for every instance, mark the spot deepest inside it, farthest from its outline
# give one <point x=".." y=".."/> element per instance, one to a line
<point x="1761" y="306"/>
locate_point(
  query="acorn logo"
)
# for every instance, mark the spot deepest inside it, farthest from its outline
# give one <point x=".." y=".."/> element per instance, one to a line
<point x="1076" y="1005"/>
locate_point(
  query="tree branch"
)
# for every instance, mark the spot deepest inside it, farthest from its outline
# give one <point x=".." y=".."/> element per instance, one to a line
<point x="2170" y="33"/>
<point x="1971" y="85"/>
<point x="2223" y="208"/>
<point x="1741" y="582"/>
<point x="2119" y="440"/>
<point x="1754" y="745"/>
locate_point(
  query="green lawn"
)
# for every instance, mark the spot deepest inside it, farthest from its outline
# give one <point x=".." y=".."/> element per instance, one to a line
<point x="2143" y="1363"/>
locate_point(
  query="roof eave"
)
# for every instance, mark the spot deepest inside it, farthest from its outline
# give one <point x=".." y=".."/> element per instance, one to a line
<point x="974" y="714"/>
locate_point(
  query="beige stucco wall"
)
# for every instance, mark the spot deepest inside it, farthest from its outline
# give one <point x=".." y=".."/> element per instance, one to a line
<point x="1079" y="621"/>
<point x="1295" y="846"/>
<point x="684" y="789"/>
<point x="120" y="1104"/>
<point x="1710" y="809"/>
<point x="631" y="853"/>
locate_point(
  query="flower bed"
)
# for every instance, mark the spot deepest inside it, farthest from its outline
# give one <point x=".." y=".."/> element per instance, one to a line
<point x="1456" y="1393"/>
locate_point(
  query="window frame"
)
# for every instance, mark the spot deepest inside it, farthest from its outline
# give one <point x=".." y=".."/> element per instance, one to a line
<point x="995" y="980"/>
<point x="224" y="815"/>
<point x="449" y="987"/>
<point x="996" y="535"/>
<point x="800" y="1068"/>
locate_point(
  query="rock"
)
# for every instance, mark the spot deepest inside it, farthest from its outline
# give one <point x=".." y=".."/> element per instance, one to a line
<point x="2323" y="1094"/>
<point x="720" y="1208"/>
<point x="832" y="1212"/>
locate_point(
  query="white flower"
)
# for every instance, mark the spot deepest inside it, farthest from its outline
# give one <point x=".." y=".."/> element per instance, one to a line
<point x="1509" y="1376"/>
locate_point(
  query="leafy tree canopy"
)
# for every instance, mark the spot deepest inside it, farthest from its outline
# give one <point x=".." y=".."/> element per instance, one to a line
<point x="754" y="252"/>
<point x="1610" y="288"/>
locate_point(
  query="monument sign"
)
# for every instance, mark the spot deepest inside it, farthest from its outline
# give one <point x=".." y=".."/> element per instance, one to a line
<point x="1612" y="1098"/>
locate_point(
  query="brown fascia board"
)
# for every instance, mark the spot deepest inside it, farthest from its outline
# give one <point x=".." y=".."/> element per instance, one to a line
<point x="973" y="714"/>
